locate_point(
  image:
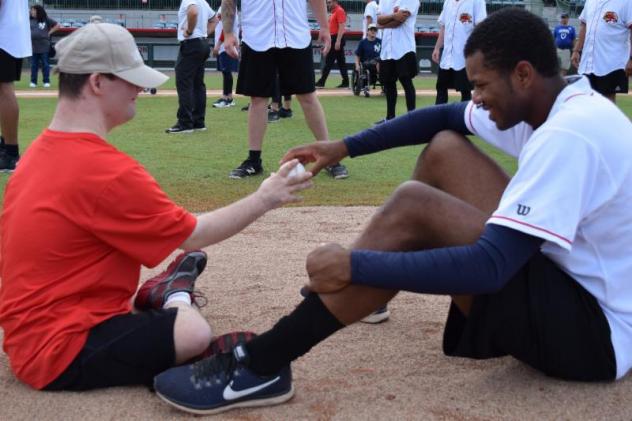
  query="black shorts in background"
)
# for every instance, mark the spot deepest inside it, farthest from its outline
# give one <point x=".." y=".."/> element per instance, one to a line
<point x="258" y="70"/>
<point x="453" y="79"/>
<point x="615" y="82"/>
<point x="10" y="67"/>
<point x="405" y="68"/>
<point x="129" y="349"/>
<point x="542" y="317"/>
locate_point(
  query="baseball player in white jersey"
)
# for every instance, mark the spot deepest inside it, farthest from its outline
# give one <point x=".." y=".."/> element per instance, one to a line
<point x="602" y="51"/>
<point x="457" y="21"/>
<point x="369" y="16"/>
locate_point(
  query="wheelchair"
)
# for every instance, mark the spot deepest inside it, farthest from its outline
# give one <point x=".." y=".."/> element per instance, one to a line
<point x="361" y="81"/>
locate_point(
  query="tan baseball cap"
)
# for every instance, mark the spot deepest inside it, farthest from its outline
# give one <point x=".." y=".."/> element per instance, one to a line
<point x="106" y="48"/>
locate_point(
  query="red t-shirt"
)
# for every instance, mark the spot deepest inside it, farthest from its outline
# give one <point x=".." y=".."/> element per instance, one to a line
<point x="337" y="17"/>
<point x="79" y="219"/>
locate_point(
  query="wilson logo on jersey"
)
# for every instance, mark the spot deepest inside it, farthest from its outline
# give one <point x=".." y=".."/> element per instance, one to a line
<point x="523" y="210"/>
<point x="611" y="17"/>
<point x="465" y="18"/>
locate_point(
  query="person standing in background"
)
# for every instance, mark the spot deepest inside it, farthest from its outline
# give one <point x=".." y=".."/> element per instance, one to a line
<point x="196" y="20"/>
<point x="337" y="24"/>
<point x="369" y="17"/>
<point x="42" y="27"/>
<point x="15" y="44"/>
<point x="225" y="64"/>
<point x="602" y="50"/>
<point x="564" y="35"/>
<point x="457" y="20"/>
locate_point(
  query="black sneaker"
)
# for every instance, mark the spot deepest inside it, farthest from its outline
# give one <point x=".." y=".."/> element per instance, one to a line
<point x="246" y="169"/>
<point x="222" y="382"/>
<point x="338" y="171"/>
<point x="245" y="107"/>
<point x="8" y="162"/>
<point x="273" y="116"/>
<point x="176" y="128"/>
<point x="285" y="112"/>
<point x="199" y="128"/>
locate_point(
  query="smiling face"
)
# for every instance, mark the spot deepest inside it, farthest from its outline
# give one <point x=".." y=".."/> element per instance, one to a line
<point x="495" y="92"/>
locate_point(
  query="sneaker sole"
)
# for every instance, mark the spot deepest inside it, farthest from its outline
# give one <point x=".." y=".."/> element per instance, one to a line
<point x="181" y="131"/>
<point x="376" y="318"/>
<point x="200" y="129"/>
<point x="341" y="177"/>
<point x="273" y="400"/>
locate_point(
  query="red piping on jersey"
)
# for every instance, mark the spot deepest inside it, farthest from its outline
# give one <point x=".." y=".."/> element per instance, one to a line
<point x="470" y="118"/>
<point x="275" y="20"/>
<point x="534" y="227"/>
<point x="284" y="29"/>
<point x="574" y="95"/>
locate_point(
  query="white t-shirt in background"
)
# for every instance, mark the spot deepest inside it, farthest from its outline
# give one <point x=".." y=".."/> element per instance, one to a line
<point x="458" y="18"/>
<point x="573" y="188"/>
<point x="269" y="24"/>
<point x="15" y="28"/>
<point x="205" y="13"/>
<point x="396" y="42"/>
<point x="370" y="10"/>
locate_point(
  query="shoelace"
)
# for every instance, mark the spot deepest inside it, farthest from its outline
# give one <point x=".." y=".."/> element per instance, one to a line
<point x="216" y="368"/>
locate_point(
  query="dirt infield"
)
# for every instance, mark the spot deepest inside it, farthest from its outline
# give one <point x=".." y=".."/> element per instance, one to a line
<point x="391" y="371"/>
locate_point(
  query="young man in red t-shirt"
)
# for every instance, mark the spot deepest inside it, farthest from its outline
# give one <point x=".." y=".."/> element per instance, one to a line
<point x="73" y="240"/>
<point x="337" y="24"/>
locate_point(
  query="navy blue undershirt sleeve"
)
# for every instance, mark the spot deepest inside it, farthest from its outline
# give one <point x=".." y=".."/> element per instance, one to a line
<point x="413" y="128"/>
<point x="480" y="268"/>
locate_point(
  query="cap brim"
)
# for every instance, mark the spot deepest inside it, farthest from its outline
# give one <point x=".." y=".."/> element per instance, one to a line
<point x="143" y="76"/>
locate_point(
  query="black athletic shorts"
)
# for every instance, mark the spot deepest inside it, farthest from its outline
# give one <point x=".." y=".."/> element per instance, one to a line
<point x="613" y="83"/>
<point x="404" y="68"/>
<point x="542" y="317"/>
<point x="258" y="70"/>
<point x="129" y="349"/>
<point x="453" y="79"/>
<point x="10" y="67"/>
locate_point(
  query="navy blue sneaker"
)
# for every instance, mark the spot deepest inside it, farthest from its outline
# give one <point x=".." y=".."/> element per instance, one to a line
<point x="220" y="383"/>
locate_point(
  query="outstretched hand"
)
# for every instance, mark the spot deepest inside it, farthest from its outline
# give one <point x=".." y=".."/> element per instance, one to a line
<point x="321" y="153"/>
<point x="280" y="188"/>
<point x="329" y="268"/>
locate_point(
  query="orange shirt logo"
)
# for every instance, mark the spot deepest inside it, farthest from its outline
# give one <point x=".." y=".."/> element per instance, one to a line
<point x="465" y="18"/>
<point x="611" y="17"/>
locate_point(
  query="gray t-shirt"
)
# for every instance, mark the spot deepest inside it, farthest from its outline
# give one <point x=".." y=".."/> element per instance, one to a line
<point x="39" y="35"/>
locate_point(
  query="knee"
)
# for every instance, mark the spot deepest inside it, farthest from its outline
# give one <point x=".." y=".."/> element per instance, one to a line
<point x="443" y="146"/>
<point x="306" y="100"/>
<point x="404" y="202"/>
<point x="192" y="334"/>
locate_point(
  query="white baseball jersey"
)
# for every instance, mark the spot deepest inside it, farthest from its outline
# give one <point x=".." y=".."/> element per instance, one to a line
<point x="607" y="43"/>
<point x="398" y="41"/>
<point x="218" y="32"/>
<point x="573" y="188"/>
<point x="458" y="19"/>
<point x="15" y="29"/>
<point x="370" y="10"/>
<point x="205" y="13"/>
<point x="275" y="24"/>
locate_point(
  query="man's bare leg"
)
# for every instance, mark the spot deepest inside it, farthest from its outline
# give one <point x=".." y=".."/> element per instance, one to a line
<point x="455" y="188"/>
<point x="257" y="122"/>
<point x="314" y="115"/>
<point x="9" y="113"/>
<point x="191" y="332"/>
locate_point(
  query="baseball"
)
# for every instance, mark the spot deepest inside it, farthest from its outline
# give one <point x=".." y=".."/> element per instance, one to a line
<point x="299" y="169"/>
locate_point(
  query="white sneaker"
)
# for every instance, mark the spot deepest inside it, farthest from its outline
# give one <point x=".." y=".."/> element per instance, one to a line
<point x="33" y="85"/>
<point x="378" y="316"/>
<point x="47" y="85"/>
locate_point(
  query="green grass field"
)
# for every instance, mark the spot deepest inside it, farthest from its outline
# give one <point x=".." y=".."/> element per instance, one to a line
<point x="193" y="168"/>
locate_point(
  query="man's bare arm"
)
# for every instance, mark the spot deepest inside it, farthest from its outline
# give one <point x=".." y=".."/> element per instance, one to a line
<point x="228" y="16"/>
<point x="319" y="9"/>
<point x="192" y="17"/>
<point x="211" y="24"/>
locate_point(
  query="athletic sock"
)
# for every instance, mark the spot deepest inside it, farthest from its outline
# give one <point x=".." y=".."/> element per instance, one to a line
<point x="292" y="336"/>
<point x="254" y="156"/>
<point x="12" y="150"/>
<point x="180" y="296"/>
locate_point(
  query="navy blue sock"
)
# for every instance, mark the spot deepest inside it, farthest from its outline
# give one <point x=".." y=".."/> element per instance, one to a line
<point x="292" y="336"/>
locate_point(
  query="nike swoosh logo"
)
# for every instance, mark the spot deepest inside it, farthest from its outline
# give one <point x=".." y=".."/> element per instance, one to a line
<point x="230" y="394"/>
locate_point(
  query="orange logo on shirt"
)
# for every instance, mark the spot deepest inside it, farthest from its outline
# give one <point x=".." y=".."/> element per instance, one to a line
<point x="611" y="17"/>
<point x="465" y="18"/>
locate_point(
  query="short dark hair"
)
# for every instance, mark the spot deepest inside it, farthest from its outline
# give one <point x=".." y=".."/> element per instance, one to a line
<point x="70" y="85"/>
<point x="510" y="35"/>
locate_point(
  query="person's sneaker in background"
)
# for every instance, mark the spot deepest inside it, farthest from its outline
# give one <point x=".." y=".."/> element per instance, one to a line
<point x="47" y="85"/>
<point x="285" y="112"/>
<point x="8" y="162"/>
<point x="220" y="103"/>
<point x="179" y="276"/>
<point x="246" y="169"/>
<point x="222" y="382"/>
<point x="273" y="116"/>
<point x="177" y="128"/>
<point x="378" y="316"/>
<point x="245" y="107"/>
<point x="230" y="102"/>
<point x="338" y="171"/>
